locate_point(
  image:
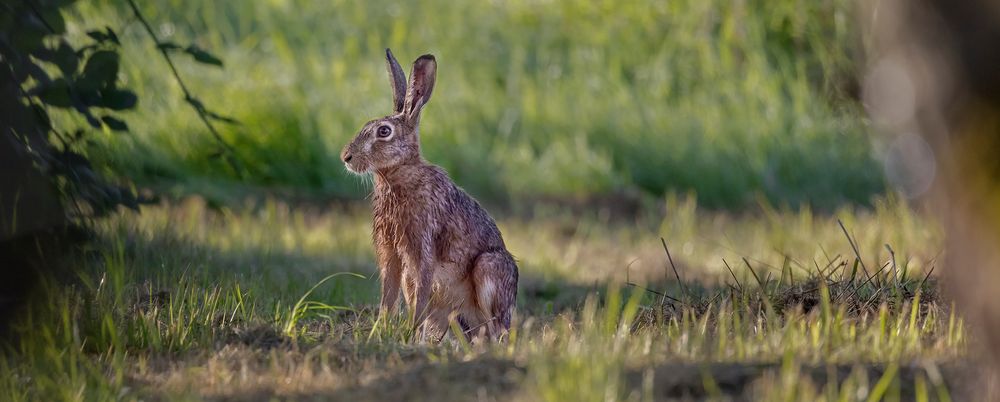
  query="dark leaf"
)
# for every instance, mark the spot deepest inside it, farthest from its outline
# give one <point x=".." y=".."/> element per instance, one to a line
<point x="201" y="56"/>
<point x="114" y="123"/>
<point x="219" y="117"/>
<point x="70" y="158"/>
<point x="66" y="59"/>
<point x="168" y="46"/>
<point x="112" y="195"/>
<point x="92" y="120"/>
<point x="60" y="3"/>
<point x="42" y="117"/>
<point x="84" y="49"/>
<point x="19" y="69"/>
<point x="53" y="20"/>
<point x="117" y="99"/>
<point x="38" y="73"/>
<point x="196" y="103"/>
<point x="6" y="21"/>
<point x="98" y="36"/>
<point x="101" y="71"/>
<point x="129" y="199"/>
<point x="49" y="54"/>
<point x="87" y="97"/>
<point x="28" y="39"/>
<point x="86" y="174"/>
<point x="112" y="35"/>
<point x="56" y="93"/>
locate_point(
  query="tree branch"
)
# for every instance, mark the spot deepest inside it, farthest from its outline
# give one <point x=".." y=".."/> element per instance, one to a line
<point x="202" y="113"/>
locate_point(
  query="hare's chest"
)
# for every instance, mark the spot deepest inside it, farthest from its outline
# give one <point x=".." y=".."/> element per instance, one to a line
<point x="404" y="229"/>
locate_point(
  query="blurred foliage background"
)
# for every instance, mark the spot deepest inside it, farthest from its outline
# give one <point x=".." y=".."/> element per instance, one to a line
<point x="733" y="101"/>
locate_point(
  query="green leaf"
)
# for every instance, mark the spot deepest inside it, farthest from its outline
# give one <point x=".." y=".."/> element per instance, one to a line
<point x="202" y="56"/>
<point x="117" y="99"/>
<point x="100" y="71"/>
<point x="114" y="123"/>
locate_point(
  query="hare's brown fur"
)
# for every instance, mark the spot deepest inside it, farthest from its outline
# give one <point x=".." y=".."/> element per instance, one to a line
<point x="433" y="241"/>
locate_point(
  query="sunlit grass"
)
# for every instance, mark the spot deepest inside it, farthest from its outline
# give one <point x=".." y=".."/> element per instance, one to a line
<point x="593" y="356"/>
<point x="187" y="301"/>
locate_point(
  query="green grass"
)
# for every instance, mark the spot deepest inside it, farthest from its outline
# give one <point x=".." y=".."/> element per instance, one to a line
<point x="563" y="99"/>
<point x="188" y="302"/>
<point x="747" y="105"/>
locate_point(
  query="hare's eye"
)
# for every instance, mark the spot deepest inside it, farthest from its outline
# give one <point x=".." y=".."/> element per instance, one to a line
<point x="383" y="131"/>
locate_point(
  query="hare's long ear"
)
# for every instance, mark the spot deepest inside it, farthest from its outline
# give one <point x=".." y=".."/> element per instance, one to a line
<point x="397" y="79"/>
<point x="421" y="85"/>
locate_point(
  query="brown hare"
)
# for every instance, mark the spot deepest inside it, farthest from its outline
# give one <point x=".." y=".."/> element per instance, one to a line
<point x="431" y="238"/>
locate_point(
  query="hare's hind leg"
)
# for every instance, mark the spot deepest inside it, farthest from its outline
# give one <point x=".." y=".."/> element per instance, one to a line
<point x="494" y="279"/>
<point x="436" y="326"/>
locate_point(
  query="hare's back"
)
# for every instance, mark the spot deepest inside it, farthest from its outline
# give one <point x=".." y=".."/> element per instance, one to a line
<point x="465" y="223"/>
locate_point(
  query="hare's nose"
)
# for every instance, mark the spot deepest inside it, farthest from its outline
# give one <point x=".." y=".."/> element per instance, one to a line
<point x="346" y="157"/>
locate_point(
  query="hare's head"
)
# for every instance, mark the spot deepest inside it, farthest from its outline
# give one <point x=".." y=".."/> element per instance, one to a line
<point x="393" y="140"/>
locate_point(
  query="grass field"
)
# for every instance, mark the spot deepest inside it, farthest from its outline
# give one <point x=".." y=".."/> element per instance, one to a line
<point x="189" y="302"/>
<point x="579" y="124"/>
<point x="535" y="99"/>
